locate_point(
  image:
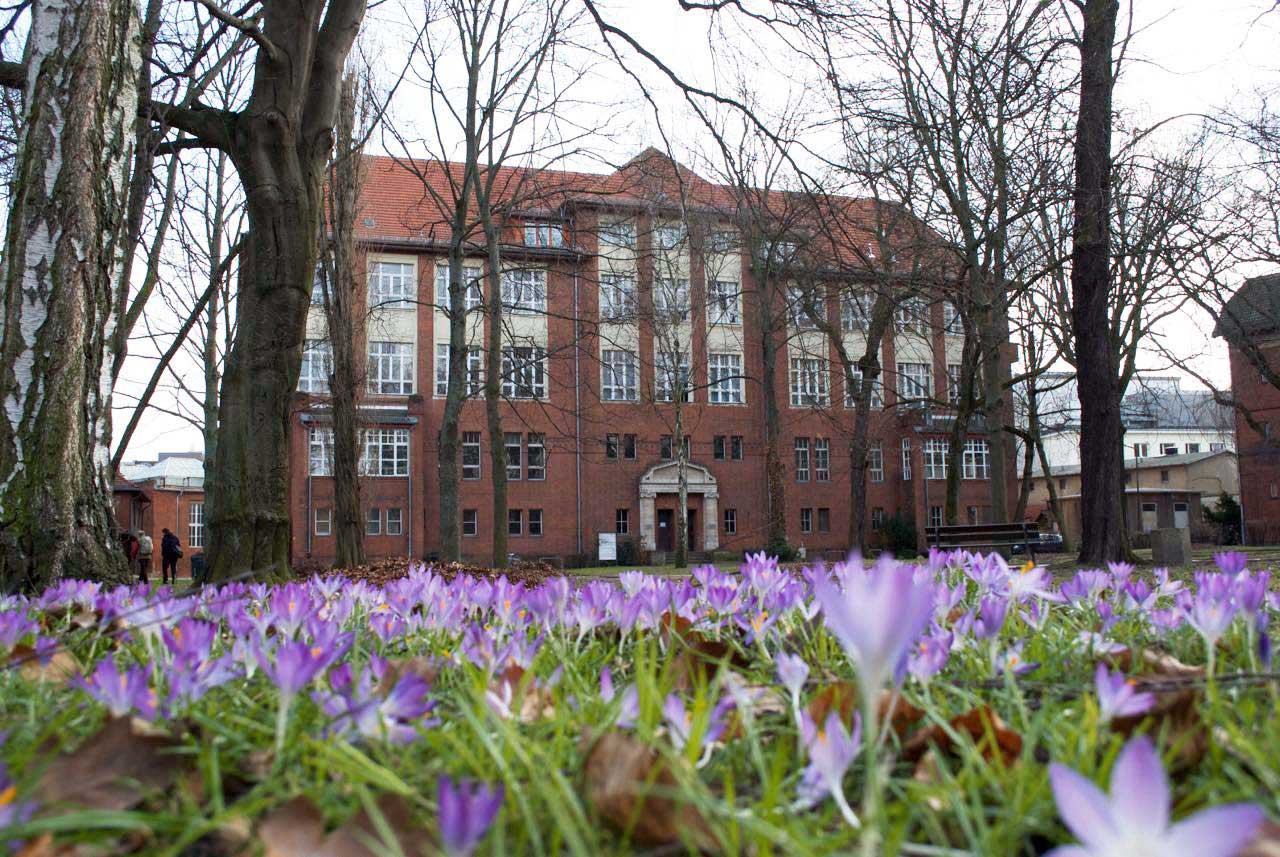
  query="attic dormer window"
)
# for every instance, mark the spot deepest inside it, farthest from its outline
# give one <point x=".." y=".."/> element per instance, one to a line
<point x="543" y="234"/>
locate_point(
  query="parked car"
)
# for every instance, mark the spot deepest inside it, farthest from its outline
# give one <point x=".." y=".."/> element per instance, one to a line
<point x="1046" y="543"/>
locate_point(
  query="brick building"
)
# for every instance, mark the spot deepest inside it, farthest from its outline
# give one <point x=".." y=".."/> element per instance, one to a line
<point x="1250" y="323"/>
<point x="611" y="291"/>
<point x="168" y="492"/>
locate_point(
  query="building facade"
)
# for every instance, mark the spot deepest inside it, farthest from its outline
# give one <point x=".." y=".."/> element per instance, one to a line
<point x="613" y="305"/>
<point x="169" y="492"/>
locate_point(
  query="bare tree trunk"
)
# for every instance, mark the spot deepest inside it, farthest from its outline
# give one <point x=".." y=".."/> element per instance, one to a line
<point x="63" y="257"/>
<point x="493" y="383"/>
<point x="682" y="477"/>
<point x="775" y="474"/>
<point x="960" y="430"/>
<point x="1024" y="487"/>
<point x="994" y="336"/>
<point x="217" y="274"/>
<point x="1101" y="431"/>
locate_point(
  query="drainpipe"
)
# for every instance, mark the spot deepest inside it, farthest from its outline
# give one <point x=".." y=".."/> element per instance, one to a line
<point x="407" y="522"/>
<point x="577" y="414"/>
<point x="310" y="523"/>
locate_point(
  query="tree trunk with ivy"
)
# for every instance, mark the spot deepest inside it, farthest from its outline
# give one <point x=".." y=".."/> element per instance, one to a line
<point x="61" y="271"/>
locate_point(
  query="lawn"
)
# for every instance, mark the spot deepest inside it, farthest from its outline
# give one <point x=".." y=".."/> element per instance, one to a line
<point x="952" y="708"/>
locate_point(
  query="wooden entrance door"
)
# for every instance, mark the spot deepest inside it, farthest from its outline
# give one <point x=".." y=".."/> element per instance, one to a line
<point x="666" y="539"/>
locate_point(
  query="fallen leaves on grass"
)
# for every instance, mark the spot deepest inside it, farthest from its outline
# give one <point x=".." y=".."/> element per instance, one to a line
<point x="1266" y="842"/>
<point x="984" y="728"/>
<point x="843" y="697"/>
<point x="56" y="666"/>
<point x="1175" y="712"/>
<point x="113" y="770"/>
<point x="1157" y="663"/>
<point x="296" y="829"/>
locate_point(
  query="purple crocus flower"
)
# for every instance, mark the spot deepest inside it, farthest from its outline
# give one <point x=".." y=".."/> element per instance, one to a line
<point x="831" y="750"/>
<point x="293" y="665"/>
<point x="1134" y="819"/>
<point x="1251" y="592"/>
<point x="1120" y="571"/>
<point x="1231" y="562"/>
<point x="12" y="810"/>
<point x="930" y="656"/>
<point x="793" y="672"/>
<point x="1117" y="697"/>
<point x="466" y="810"/>
<point x="991" y="615"/>
<point x="1210" y="613"/>
<point x="876" y="618"/>
<point x="121" y="692"/>
<point x="679" y="722"/>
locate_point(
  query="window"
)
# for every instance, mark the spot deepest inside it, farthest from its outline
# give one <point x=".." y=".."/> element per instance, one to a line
<point x="935" y="459"/>
<point x="611" y="446"/>
<point x="395" y="522"/>
<point x="1168" y="449"/>
<point x="855" y="310"/>
<point x="781" y="252"/>
<point x="317" y="366"/>
<point x="386" y="452"/>
<point x="951" y="321"/>
<point x="511" y="441"/>
<point x="971" y="514"/>
<point x="671" y="298"/>
<point x="621" y="521"/>
<point x="470" y="522"/>
<point x="535" y="522"/>
<point x="1217" y="447"/>
<point x="1192" y="448"/>
<point x="1164" y="476"/>
<point x="806" y="520"/>
<point x="808" y="382"/>
<point x="1062" y="484"/>
<point x="802" y="459"/>
<point x="724" y="377"/>
<point x="877" y="518"/>
<point x="906" y="458"/>
<point x="671" y="375"/>
<point x="976" y="460"/>
<point x="535" y="457"/>
<point x="324" y="521"/>
<point x="541" y="234"/>
<point x="1141" y="450"/>
<point x="735" y="447"/>
<point x="515" y="522"/>
<point x="320" y="448"/>
<point x="391" y="285"/>
<point x="391" y="368"/>
<point x="852" y="391"/>
<point x="723" y="302"/>
<point x="935" y="516"/>
<point x="473" y="285"/>
<point x="474" y="379"/>
<point x="619" y="378"/>
<point x="616" y="233"/>
<point x="1273" y="491"/>
<point x="471" y="455"/>
<point x="317" y="287"/>
<point x="821" y="459"/>
<point x="524" y="374"/>
<point x="718" y="447"/>
<point x="373" y="522"/>
<point x="731" y="521"/>
<point x="617" y="297"/>
<point x="524" y="290"/>
<point x="1264" y="428"/>
<point x="912" y="316"/>
<point x="722" y="241"/>
<point x="195" y="525"/>
<point x="806" y="308"/>
<point x="668" y="237"/>
<point x="875" y="461"/>
<point x="629" y="447"/>
<point x="913" y="380"/>
<point x="665" y="447"/>
<point x="953" y="383"/>
<point x="824" y="520"/>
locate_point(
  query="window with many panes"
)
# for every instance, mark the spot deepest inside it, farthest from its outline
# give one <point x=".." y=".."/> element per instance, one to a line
<point x="877" y="518"/>
<point x="535" y="457"/>
<point x="524" y="374"/>
<point x="373" y="522"/>
<point x="543" y="234"/>
<point x="1217" y="447"/>
<point x="320" y="451"/>
<point x="808" y="382"/>
<point x="1141" y="450"/>
<point x="875" y="462"/>
<point x="935" y="516"/>
<point x="473" y="284"/>
<point x="671" y="373"/>
<point x="671" y="298"/>
<point x="535" y="522"/>
<point x="391" y="368"/>
<point x="821" y="459"/>
<point x="735" y="447"/>
<point x="391" y="285"/>
<point x="395" y="522"/>
<point x="617" y="297"/>
<point x="386" y="452"/>
<point x="806" y="520"/>
<point x="621" y="521"/>
<point x="718" y="447"/>
<point x="317" y="366"/>
<point x="853" y="389"/>
<point x="611" y="447"/>
<point x="195" y="525"/>
<point x="913" y="380"/>
<point x="906" y="458"/>
<point x="724" y="302"/>
<point x="666" y="447"/>
<point x="619" y="380"/>
<point x="951" y="322"/>
<point x="629" y="446"/>
<point x="806" y="307"/>
<point x="935" y="459"/>
<point x="324" y="521"/>
<point x="515" y="522"/>
<point x="802" y="459"/>
<point x="976" y="460"/>
<point x="474" y="379"/>
<point x="470" y="522"/>
<point x="616" y="233"/>
<point x="1168" y="449"/>
<point x="512" y="443"/>
<point x="471" y="455"/>
<point x="953" y="383"/>
<point x="668" y="237"/>
<point x="724" y="379"/>
<point x="524" y="290"/>
<point x="824" y="520"/>
<point x="855" y="310"/>
<point x="730" y="521"/>
<point x="912" y="316"/>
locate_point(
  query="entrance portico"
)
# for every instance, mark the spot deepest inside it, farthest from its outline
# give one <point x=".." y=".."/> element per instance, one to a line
<point x="665" y="479"/>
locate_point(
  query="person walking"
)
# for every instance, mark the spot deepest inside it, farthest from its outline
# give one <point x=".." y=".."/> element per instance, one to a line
<point x="170" y="552"/>
<point x="129" y="544"/>
<point x="145" y="549"/>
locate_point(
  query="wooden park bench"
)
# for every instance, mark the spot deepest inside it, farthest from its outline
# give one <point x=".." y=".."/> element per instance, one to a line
<point x="985" y="537"/>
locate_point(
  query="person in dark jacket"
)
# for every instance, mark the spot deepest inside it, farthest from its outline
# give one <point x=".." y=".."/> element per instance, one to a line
<point x="170" y="551"/>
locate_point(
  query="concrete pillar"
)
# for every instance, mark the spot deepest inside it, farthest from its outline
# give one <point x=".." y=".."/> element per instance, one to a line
<point x="710" y="520"/>
<point x="648" y="540"/>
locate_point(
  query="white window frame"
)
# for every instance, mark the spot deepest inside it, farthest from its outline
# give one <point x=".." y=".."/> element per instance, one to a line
<point x="731" y="522"/>
<point x="391" y="285"/>
<point x="513" y="445"/>
<point x="619" y="375"/>
<point x="317" y="366"/>
<point x="915" y="381"/>
<point x="373" y="522"/>
<point x="473" y="277"/>
<point x="323" y="525"/>
<point x="821" y="459"/>
<point x="535" y="457"/>
<point x="669" y="236"/>
<point x="474" y="380"/>
<point x="390" y="368"/>
<point x="906" y="459"/>
<point x="515" y="522"/>
<point x="195" y="524"/>
<point x="470" y="519"/>
<point x="875" y="461"/>
<point x="935" y="516"/>
<point x="471" y="469"/>
<point x="534" y="522"/>
<point x="724" y="301"/>
<point x="803" y="459"/>
<point x="524" y="290"/>
<point x="810" y="384"/>
<point x="912" y="316"/>
<point x="952" y="324"/>
<point x="954" y="371"/>
<point x="855" y="311"/>
<point x="724" y="378"/>
<point x="622" y="521"/>
<point x="543" y="233"/>
<point x="524" y="372"/>
<point x="319" y="451"/>
<point x="805" y="309"/>
<point x="395" y="521"/>
<point x="877" y="390"/>
<point x="977" y="459"/>
<point x="806" y="519"/>
<point x="616" y="233"/>
<point x="671" y="300"/>
<point x="1168" y="449"/>
<point x="386" y="452"/>
<point x="1141" y="450"/>
<point x="935" y="459"/>
<point x="618" y="297"/>
<point x="664" y="377"/>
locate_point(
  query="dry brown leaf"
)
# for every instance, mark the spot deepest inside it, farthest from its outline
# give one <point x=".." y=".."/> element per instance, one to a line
<point x="428" y="668"/>
<point x="619" y="776"/>
<point x="1177" y="721"/>
<point x="296" y="829"/>
<point x="530" y="703"/>
<point x="843" y="696"/>
<point x="1157" y="663"/>
<point x="113" y="770"/>
<point x="1265" y="843"/>
<point x="60" y="665"/>
<point x="983" y="726"/>
<point x="926" y="774"/>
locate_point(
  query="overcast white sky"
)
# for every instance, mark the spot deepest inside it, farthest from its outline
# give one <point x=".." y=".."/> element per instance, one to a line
<point x="1189" y="56"/>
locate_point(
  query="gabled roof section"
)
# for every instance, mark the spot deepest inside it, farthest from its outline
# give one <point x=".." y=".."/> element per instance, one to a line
<point x="1254" y="309"/>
